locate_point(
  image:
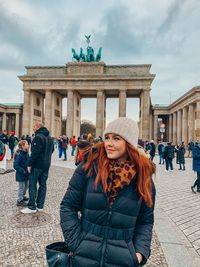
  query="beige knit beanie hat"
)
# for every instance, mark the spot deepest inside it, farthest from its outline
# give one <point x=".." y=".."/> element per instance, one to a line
<point x="124" y="127"/>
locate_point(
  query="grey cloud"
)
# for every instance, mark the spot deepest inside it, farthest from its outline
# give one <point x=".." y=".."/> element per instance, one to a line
<point x="119" y="37"/>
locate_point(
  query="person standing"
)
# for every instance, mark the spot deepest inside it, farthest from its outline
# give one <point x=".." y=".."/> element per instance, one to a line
<point x="114" y="191"/>
<point x="73" y="144"/>
<point x="190" y="148"/>
<point x="161" y="150"/>
<point x="64" y="146"/>
<point x="20" y="164"/>
<point x="196" y="166"/>
<point x="12" y="142"/>
<point x="168" y="156"/>
<point x="181" y="156"/>
<point x="60" y="147"/>
<point x="39" y="163"/>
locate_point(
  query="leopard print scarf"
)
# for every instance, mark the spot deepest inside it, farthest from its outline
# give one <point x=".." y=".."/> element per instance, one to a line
<point x="120" y="175"/>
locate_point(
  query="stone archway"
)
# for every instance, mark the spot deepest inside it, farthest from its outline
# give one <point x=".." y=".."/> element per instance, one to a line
<point x="84" y="79"/>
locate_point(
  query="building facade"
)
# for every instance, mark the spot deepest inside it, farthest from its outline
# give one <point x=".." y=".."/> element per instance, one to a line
<point x="11" y="118"/>
<point x="46" y="87"/>
<point x="181" y="118"/>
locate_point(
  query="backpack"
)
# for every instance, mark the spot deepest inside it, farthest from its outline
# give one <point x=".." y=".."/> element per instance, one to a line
<point x="2" y="150"/>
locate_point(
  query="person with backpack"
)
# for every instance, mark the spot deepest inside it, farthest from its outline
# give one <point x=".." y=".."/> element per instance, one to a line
<point x="20" y="164"/>
<point x="168" y="156"/>
<point x="107" y="213"/>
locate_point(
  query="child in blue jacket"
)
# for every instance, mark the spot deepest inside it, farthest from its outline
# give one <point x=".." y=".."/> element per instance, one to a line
<point x="20" y="165"/>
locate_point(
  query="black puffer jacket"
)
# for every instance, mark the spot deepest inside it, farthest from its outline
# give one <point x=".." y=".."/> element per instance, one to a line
<point x="41" y="150"/>
<point x="103" y="236"/>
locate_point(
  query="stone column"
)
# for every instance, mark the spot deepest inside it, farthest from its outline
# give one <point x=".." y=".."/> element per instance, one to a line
<point x="77" y="114"/>
<point x="70" y="113"/>
<point x="140" y="116"/>
<point x="17" y="124"/>
<point x="197" y="130"/>
<point x="170" y="128"/>
<point x="100" y="113"/>
<point x="145" y="115"/>
<point x="155" y="129"/>
<point x="26" y="113"/>
<point x="104" y="123"/>
<point x="174" y="128"/>
<point x="179" y="126"/>
<point x="4" y="122"/>
<point x="122" y="103"/>
<point x="185" y="125"/>
<point x="191" y="123"/>
<point x="48" y="110"/>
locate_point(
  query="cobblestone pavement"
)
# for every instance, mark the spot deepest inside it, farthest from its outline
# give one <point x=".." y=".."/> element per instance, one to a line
<point x="176" y="200"/>
<point x="23" y="240"/>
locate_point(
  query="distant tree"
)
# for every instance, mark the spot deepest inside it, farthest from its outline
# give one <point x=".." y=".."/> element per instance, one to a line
<point x="87" y="127"/>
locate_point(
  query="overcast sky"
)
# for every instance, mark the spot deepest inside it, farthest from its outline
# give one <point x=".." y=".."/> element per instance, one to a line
<point x="164" y="33"/>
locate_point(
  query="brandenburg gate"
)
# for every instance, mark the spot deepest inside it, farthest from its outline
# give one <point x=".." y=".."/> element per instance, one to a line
<point x="45" y="87"/>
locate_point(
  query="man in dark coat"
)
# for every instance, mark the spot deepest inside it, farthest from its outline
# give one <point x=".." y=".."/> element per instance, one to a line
<point x="168" y="156"/>
<point x="39" y="163"/>
<point x="196" y="166"/>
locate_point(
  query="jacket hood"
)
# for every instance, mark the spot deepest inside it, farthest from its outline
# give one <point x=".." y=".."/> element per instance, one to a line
<point x="42" y="130"/>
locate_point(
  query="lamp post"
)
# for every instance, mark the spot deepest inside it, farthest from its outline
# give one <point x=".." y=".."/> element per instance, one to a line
<point x="162" y="131"/>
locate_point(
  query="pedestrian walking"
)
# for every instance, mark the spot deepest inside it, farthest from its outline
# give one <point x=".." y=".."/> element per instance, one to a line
<point x="168" y="156"/>
<point x="181" y="157"/>
<point x="20" y="164"/>
<point x="114" y="192"/>
<point x="196" y="166"/>
<point x="39" y="163"/>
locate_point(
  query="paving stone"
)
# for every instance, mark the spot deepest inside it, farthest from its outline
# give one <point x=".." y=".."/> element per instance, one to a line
<point x="175" y="198"/>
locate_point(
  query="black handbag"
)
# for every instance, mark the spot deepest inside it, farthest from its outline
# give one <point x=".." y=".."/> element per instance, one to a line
<point x="58" y="255"/>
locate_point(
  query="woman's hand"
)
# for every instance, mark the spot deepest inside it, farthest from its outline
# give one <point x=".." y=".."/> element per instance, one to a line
<point x="139" y="257"/>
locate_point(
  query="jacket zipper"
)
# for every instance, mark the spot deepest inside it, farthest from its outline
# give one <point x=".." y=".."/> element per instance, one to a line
<point x="105" y="239"/>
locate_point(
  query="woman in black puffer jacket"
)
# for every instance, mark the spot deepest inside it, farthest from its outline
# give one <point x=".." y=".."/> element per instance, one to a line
<point x="114" y="192"/>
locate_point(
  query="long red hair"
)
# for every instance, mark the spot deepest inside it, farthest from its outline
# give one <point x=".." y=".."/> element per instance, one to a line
<point x="144" y="168"/>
